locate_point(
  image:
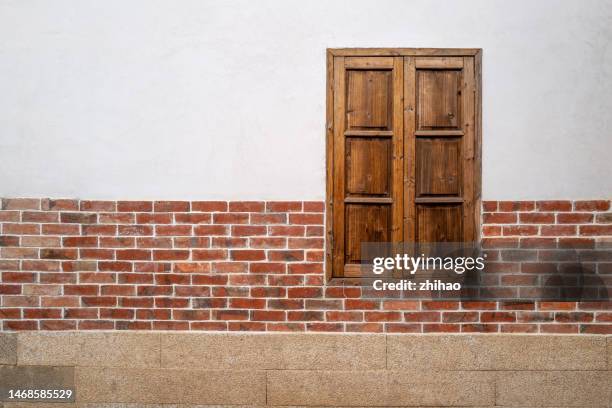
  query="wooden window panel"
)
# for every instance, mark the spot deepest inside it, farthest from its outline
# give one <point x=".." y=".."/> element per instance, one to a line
<point x="403" y="149"/>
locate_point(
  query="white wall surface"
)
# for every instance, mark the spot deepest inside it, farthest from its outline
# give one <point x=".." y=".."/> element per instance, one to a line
<point x="202" y="99"/>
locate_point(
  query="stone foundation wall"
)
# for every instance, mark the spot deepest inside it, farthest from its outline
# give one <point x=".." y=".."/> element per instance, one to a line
<point x="318" y="369"/>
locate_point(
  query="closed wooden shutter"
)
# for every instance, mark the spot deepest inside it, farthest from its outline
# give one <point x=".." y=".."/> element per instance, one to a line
<point x="403" y="151"/>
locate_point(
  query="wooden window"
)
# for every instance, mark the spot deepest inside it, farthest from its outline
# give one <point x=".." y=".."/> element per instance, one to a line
<point x="403" y="149"/>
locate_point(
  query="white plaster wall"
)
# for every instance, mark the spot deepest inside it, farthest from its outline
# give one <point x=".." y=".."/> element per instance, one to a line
<point x="226" y="99"/>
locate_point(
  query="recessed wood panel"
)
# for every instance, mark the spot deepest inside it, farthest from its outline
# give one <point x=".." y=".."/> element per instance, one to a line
<point x="438" y="169"/>
<point x="438" y="93"/>
<point x="368" y="166"/>
<point x="439" y="223"/>
<point x="369" y="99"/>
<point x="365" y="223"/>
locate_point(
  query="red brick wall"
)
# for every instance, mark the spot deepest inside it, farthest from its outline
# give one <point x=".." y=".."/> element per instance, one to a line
<point x="216" y="265"/>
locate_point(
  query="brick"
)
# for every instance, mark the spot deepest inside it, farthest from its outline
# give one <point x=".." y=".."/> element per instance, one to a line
<point x="439" y="305"/>
<point x="244" y="303"/>
<point x="342" y="292"/>
<point x="441" y="328"/>
<point x="359" y="304"/>
<point x="314" y="231"/>
<point x="459" y="317"/>
<point x="230" y="218"/>
<point x="191" y="267"/>
<point x="9" y="216"/>
<point x="39" y="216"/>
<point x="604" y="218"/>
<point x="554" y="205"/>
<point x="116" y="218"/>
<point x="266" y="243"/>
<point x="58" y="325"/>
<point x="267" y="219"/>
<point x="592" y="205"/>
<point x="402" y="328"/>
<point x="80" y="241"/>
<point x="574" y="218"/>
<point x="501" y="317"/>
<point x="306" y="219"/>
<point x="18" y="277"/>
<point x="512" y="206"/>
<point x="171" y="254"/>
<point x="267" y="315"/>
<point x="172" y="230"/>
<point x="304" y="292"/>
<point x="57" y="278"/>
<point x="400" y="305"/>
<point x="230" y="314"/>
<point x="7" y="240"/>
<point x="20" y="229"/>
<point x="248" y="230"/>
<point x="90" y="205"/>
<point x="499" y="218"/>
<point x="78" y="218"/>
<point x="305" y="268"/>
<point x="36" y="265"/>
<point x="135" y="230"/>
<point x="581" y="243"/>
<point x="283" y="206"/>
<point x="54" y="253"/>
<point x="246" y="206"/>
<point x="247" y="255"/>
<point x="532" y="243"/>
<point x="99" y="230"/>
<point x="192" y="218"/>
<point x="53" y="229"/>
<point x="558" y="230"/>
<point x="315" y="256"/>
<point x="171" y="206"/>
<point x="268" y="267"/>
<point x="210" y="230"/>
<point x="491" y="230"/>
<point x="134" y="206"/>
<point x="191" y="314"/>
<point x="500" y="242"/>
<point x="314" y="206"/>
<point x="20" y="204"/>
<point x="153" y="242"/>
<point x="284" y="304"/>
<point x="48" y="204"/>
<point x="20" y="325"/>
<point x="286" y="255"/>
<point x="520" y="230"/>
<point x="191" y="242"/>
<point x="154" y="218"/>
<point x="305" y="243"/>
<point x="287" y="231"/>
<point x="594" y="230"/>
<point x="229" y="267"/>
<point x="209" y="206"/>
<point x="536" y="218"/>
<point x="382" y="316"/>
<point x="422" y="316"/>
<point x="489" y="206"/>
<point x="115" y="266"/>
<point x="117" y="242"/>
<point x="96" y="254"/>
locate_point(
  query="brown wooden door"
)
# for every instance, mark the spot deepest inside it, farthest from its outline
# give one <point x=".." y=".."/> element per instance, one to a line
<point x="403" y="153"/>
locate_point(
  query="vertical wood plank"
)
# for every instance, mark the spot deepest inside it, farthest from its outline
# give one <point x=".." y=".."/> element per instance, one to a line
<point x="329" y="156"/>
<point x="398" y="149"/>
<point x="478" y="145"/>
<point x="409" y="149"/>
<point x="467" y="95"/>
<point x="338" y="170"/>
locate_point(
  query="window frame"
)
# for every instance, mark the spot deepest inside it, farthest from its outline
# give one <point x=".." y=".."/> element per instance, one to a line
<point x="476" y="53"/>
